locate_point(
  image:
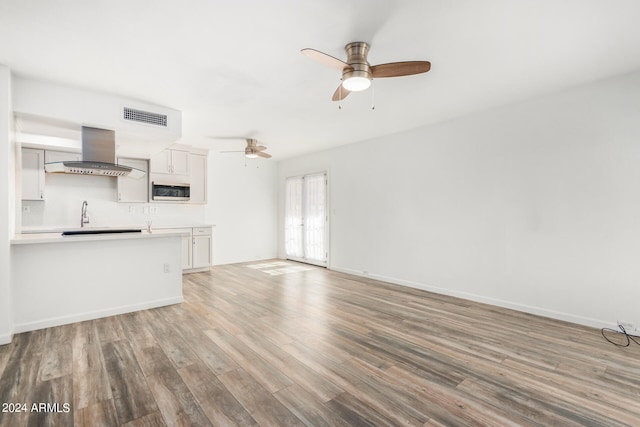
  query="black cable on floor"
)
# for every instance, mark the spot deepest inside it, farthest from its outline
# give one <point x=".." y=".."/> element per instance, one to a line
<point x="624" y="342"/>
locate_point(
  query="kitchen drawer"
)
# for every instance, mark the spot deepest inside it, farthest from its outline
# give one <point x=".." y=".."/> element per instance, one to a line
<point x="202" y="231"/>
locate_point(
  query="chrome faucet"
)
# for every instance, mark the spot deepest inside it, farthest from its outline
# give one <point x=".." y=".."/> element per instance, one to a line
<point x="84" y="219"/>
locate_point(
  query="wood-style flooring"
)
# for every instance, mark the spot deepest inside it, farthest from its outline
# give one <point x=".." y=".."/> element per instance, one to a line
<point x="283" y="344"/>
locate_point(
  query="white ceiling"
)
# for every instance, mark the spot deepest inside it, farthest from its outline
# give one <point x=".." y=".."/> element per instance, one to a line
<point x="234" y="68"/>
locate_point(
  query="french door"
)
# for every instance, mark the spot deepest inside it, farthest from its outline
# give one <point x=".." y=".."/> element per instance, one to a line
<point x="306" y="219"/>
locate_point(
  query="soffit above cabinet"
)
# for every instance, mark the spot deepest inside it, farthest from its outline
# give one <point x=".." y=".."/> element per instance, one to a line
<point x="52" y="115"/>
<point x="47" y="133"/>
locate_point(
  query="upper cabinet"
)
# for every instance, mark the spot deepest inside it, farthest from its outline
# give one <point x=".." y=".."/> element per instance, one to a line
<point x="32" y="174"/>
<point x="182" y="166"/>
<point x="132" y="189"/>
<point x="172" y="162"/>
<point x="198" y="164"/>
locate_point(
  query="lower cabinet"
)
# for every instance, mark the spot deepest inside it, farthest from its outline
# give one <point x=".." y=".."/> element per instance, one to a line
<point x="201" y="247"/>
<point x="196" y="249"/>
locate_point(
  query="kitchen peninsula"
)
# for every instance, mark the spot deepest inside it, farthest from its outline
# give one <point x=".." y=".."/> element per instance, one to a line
<point x="63" y="279"/>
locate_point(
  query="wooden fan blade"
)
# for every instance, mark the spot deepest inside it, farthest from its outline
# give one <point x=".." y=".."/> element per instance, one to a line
<point x="325" y="59"/>
<point x="234" y="151"/>
<point x="396" y="69"/>
<point x="260" y="148"/>
<point x="340" y="93"/>
<point x="265" y="155"/>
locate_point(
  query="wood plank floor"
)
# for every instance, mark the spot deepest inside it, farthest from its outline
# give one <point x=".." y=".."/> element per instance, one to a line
<point x="284" y="344"/>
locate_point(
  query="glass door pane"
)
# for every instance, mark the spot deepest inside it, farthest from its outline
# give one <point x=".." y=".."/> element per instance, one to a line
<point x="314" y="217"/>
<point x="305" y="226"/>
<point x="293" y="218"/>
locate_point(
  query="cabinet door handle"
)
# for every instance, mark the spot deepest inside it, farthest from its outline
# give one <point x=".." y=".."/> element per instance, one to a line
<point x="119" y="196"/>
<point x="41" y="195"/>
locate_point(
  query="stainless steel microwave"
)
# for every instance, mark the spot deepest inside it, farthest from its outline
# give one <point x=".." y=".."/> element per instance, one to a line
<point x="170" y="192"/>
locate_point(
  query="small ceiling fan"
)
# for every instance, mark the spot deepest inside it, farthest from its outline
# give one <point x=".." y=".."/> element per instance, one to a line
<point x="357" y="73"/>
<point x="252" y="150"/>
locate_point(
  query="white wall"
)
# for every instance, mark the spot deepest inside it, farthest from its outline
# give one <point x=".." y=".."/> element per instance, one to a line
<point x="533" y="206"/>
<point x="7" y="202"/>
<point x="242" y="205"/>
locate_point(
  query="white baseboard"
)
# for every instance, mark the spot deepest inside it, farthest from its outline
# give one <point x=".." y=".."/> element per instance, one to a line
<point x="552" y="314"/>
<point x="195" y="270"/>
<point x="6" y="339"/>
<point x="81" y="317"/>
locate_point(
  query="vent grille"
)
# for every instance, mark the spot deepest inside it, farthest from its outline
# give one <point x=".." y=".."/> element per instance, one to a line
<point x="145" y="117"/>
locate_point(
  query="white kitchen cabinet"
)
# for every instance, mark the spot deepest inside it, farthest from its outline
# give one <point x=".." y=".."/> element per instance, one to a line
<point x="179" y="162"/>
<point x="172" y="162"/>
<point x="196" y="249"/>
<point x="198" y="166"/>
<point x="133" y="189"/>
<point x="32" y="174"/>
<point x="161" y="162"/>
<point x="201" y="253"/>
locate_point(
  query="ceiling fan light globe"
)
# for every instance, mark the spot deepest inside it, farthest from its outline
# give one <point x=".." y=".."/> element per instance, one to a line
<point x="251" y="155"/>
<point x="356" y="84"/>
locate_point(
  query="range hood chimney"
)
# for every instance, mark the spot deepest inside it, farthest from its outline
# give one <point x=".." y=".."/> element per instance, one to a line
<point x="98" y="157"/>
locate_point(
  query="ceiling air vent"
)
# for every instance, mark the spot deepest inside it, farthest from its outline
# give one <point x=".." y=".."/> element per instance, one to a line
<point x="145" y="117"/>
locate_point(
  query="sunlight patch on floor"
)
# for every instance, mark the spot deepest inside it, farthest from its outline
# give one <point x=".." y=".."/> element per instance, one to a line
<point x="279" y="267"/>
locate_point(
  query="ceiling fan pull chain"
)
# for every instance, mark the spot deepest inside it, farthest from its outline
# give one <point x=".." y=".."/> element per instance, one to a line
<point x="373" y="95"/>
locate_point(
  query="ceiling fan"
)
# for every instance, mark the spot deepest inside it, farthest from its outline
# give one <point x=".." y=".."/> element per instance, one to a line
<point x="252" y="150"/>
<point x="357" y="73"/>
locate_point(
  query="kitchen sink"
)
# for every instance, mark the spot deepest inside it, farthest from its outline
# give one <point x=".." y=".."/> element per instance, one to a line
<point x="101" y="231"/>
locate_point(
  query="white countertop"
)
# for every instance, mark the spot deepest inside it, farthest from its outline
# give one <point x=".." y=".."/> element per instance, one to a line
<point x="57" y="237"/>
<point x="56" y="229"/>
<point x="164" y="227"/>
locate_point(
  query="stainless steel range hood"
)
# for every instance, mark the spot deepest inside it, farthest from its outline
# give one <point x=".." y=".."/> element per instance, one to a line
<point x="98" y="157"/>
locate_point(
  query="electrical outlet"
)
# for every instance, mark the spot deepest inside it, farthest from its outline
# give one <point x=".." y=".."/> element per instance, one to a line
<point x="628" y="326"/>
<point x="153" y="210"/>
<point x="26" y="209"/>
<point x="166" y="267"/>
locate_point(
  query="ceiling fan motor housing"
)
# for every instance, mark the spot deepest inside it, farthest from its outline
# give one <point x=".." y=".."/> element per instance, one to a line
<point x="357" y="60"/>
